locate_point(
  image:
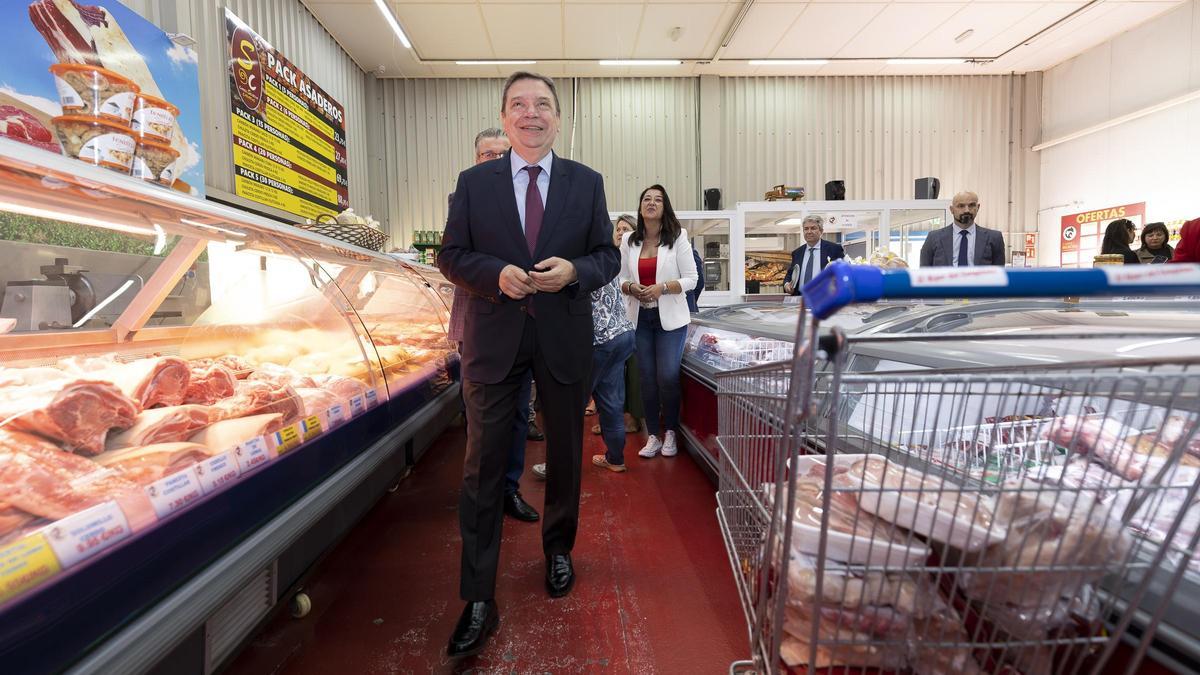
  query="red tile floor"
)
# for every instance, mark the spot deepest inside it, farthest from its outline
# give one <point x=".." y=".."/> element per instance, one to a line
<point x="654" y="591"/>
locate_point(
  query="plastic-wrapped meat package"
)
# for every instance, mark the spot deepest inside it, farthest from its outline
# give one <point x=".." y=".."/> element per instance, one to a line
<point x="871" y="620"/>
<point x="154" y="381"/>
<point x="78" y="413"/>
<point x="344" y="387"/>
<point x="317" y="400"/>
<point x="1162" y="505"/>
<point x="1047" y="527"/>
<point x="1105" y="439"/>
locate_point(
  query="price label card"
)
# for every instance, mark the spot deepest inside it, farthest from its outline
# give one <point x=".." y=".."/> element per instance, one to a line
<point x="217" y="472"/>
<point x="25" y="564"/>
<point x="285" y="439"/>
<point x="1152" y="275"/>
<point x="310" y="427"/>
<point x="336" y="415"/>
<point x="174" y="492"/>
<point x="356" y="406"/>
<point x="990" y="275"/>
<point x="252" y="454"/>
<point x="372" y="398"/>
<point x="82" y="535"/>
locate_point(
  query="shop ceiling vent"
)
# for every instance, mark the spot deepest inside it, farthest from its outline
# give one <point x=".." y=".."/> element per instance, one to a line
<point x="928" y="188"/>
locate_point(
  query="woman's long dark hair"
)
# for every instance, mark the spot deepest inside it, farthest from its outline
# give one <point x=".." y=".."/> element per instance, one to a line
<point x="1116" y="237"/>
<point x="670" y="224"/>
<point x="1151" y="229"/>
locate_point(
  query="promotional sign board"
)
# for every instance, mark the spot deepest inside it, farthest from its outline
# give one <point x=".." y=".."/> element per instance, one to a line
<point x="1082" y="233"/>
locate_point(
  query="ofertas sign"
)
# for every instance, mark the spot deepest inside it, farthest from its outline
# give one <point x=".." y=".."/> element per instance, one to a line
<point x="1082" y="233"/>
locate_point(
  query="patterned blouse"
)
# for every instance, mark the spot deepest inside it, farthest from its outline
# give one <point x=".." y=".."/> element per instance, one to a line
<point x="609" y="318"/>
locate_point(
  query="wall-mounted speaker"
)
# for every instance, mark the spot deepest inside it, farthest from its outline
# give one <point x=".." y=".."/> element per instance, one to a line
<point x="712" y="199"/>
<point x="928" y="188"/>
<point x="835" y="191"/>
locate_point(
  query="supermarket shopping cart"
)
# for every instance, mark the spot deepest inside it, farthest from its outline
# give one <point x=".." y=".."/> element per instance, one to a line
<point x="963" y="521"/>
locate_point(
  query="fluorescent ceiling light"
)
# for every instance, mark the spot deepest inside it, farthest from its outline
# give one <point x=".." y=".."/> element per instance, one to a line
<point x="391" y="19"/>
<point x="640" y="62"/>
<point x="788" y="62"/>
<point x="495" y="63"/>
<point x="924" y="62"/>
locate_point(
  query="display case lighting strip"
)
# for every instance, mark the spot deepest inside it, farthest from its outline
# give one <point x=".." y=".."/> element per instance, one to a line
<point x="206" y="226"/>
<point x="74" y="218"/>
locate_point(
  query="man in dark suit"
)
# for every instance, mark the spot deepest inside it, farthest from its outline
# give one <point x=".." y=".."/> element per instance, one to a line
<point x="693" y="296"/>
<point x="529" y="237"/>
<point x="964" y="243"/>
<point x="812" y="257"/>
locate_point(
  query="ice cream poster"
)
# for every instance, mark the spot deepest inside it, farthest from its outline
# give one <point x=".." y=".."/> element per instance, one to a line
<point x="99" y="83"/>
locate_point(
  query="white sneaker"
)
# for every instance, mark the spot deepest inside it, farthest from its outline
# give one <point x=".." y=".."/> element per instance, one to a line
<point x="653" y="445"/>
<point x="669" y="449"/>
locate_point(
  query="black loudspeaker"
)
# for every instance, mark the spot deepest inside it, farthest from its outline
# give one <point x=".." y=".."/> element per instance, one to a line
<point x="928" y="188"/>
<point x="835" y="191"/>
<point x="712" y="199"/>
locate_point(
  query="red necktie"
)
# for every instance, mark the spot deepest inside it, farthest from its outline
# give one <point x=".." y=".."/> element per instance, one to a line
<point x="533" y="208"/>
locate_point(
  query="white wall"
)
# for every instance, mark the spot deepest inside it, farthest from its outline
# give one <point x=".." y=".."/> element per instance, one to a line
<point x="1155" y="159"/>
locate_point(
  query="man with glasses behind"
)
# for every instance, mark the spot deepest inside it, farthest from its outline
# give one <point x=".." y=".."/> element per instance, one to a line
<point x="492" y="144"/>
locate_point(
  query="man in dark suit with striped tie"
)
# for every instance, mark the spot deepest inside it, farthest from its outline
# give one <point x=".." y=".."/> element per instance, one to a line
<point x="812" y="257"/>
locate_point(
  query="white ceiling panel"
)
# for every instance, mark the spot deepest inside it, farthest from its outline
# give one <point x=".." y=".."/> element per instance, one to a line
<point x="696" y="23"/>
<point x="985" y="19"/>
<point x="897" y="28"/>
<point x="511" y="25"/>
<point x="1042" y="16"/>
<point x="370" y="41"/>
<point x="601" y="31"/>
<point x="824" y="28"/>
<point x="443" y="31"/>
<point x="762" y="29"/>
<point x="1088" y="30"/>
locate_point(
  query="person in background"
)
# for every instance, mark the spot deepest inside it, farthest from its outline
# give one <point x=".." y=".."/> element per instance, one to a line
<point x="657" y="270"/>
<point x="1119" y="234"/>
<point x="529" y="238"/>
<point x="491" y="144"/>
<point x="812" y="257"/>
<point x="693" y="296"/>
<point x="964" y="243"/>
<point x="633" y="390"/>
<point x="1155" y="250"/>
<point x="1188" y="248"/>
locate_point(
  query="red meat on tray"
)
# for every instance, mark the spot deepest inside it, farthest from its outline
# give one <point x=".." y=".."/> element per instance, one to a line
<point x="19" y="125"/>
<point x="79" y="413"/>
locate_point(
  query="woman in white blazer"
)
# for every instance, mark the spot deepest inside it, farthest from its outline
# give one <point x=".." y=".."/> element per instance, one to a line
<point x="657" y="271"/>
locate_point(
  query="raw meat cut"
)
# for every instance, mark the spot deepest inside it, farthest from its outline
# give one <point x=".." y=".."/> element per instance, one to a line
<point x="317" y="400"/>
<point x="209" y="384"/>
<point x="222" y="436"/>
<point x="240" y="367"/>
<point x="65" y="26"/>
<point x="1102" y="438"/>
<point x="346" y="388"/>
<point x="1176" y="429"/>
<point x="281" y="376"/>
<point x="844" y="516"/>
<point x="256" y="397"/>
<point x="162" y="425"/>
<point x="79" y="414"/>
<point x="37" y="477"/>
<point x="147" y="463"/>
<point x="151" y="382"/>
<point x="12" y="518"/>
<point x="19" y="125"/>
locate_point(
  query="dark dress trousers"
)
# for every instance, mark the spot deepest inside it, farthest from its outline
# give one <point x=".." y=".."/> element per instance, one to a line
<point x="503" y="339"/>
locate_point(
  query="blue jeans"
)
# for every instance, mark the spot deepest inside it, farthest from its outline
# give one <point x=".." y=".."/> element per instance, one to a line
<point x="516" y="456"/>
<point x="608" y="391"/>
<point x="659" y="354"/>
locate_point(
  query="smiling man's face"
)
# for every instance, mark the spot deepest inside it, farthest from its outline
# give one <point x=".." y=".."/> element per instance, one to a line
<point x="530" y="119"/>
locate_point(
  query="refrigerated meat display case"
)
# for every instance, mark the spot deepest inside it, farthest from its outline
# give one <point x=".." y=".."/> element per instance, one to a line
<point x="983" y="336"/>
<point x="195" y="403"/>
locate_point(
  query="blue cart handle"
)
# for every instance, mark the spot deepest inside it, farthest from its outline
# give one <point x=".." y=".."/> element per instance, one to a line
<point x="841" y="283"/>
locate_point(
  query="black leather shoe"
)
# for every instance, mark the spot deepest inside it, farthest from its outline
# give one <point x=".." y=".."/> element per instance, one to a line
<point x="518" y="508"/>
<point x="477" y="623"/>
<point x="534" y="433"/>
<point x="560" y="575"/>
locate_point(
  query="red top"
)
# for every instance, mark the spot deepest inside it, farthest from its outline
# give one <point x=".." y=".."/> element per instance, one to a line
<point x="1188" y="248"/>
<point x="647" y="267"/>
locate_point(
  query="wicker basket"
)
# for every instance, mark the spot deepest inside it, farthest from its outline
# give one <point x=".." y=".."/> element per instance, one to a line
<point x="362" y="236"/>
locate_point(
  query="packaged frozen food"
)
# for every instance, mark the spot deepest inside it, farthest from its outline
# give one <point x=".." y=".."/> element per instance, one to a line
<point x="96" y="141"/>
<point x="91" y="91"/>
<point x="155" y="162"/>
<point x="154" y="119"/>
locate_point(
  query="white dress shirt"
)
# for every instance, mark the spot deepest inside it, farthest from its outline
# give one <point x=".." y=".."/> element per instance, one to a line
<point x="521" y="181"/>
<point x="815" y="257"/>
<point x="957" y="239"/>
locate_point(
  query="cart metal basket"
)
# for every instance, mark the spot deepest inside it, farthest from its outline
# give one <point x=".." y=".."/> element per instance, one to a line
<point x="959" y="521"/>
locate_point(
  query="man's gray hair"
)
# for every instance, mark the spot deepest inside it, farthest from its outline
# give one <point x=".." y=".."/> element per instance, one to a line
<point x="526" y="75"/>
<point x="812" y="218"/>
<point x="491" y="132"/>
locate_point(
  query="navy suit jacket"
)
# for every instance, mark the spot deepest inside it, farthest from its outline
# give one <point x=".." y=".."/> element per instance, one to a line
<point x="483" y="235"/>
<point x="693" y="296"/>
<point x="829" y="251"/>
<point x="939" y="250"/>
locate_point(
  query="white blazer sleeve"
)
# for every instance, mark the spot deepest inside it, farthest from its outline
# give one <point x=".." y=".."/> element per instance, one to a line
<point x="685" y="262"/>
<point x="626" y="269"/>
